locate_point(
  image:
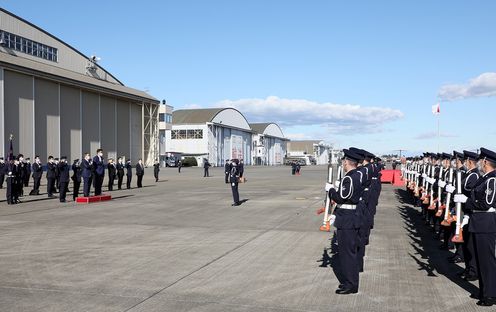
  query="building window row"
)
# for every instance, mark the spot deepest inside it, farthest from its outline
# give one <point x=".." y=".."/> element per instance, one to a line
<point x="165" y="118"/>
<point x="24" y="45"/>
<point x="186" y="134"/>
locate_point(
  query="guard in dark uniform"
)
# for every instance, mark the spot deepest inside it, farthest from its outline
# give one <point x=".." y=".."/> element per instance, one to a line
<point x="2" y="171"/>
<point x="241" y="168"/>
<point x="347" y="221"/>
<point x="482" y="225"/>
<point x="99" y="169"/>
<point x="469" y="181"/>
<point x="63" y="178"/>
<point x="234" y="180"/>
<point x="37" y="170"/>
<point x="87" y="167"/>
<point x="120" y="172"/>
<point x="10" y="179"/>
<point x="56" y="188"/>
<point x="76" y="178"/>
<point x="112" y="171"/>
<point x="50" y="175"/>
<point x="227" y="170"/>
<point x="459" y="255"/>
<point x="129" y="174"/>
<point x="156" y="170"/>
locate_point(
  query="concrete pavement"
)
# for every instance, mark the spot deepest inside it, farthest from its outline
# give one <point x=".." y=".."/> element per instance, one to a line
<point x="178" y="245"/>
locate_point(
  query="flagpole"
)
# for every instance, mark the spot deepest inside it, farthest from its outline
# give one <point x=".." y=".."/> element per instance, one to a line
<point x="438" y="132"/>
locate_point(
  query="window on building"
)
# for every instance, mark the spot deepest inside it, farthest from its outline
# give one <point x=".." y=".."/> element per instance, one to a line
<point x="187" y="134"/>
<point x="24" y="45"/>
<point x="168" y="118"/>
<point x="161" y="117"/>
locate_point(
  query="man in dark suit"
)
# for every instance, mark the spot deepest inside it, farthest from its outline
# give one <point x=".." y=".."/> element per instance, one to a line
<point x="21" y="174"/>
<point x="76" y="178"/>
<point x="120" y="172"/>
<point x="86" y="169"/>
<point x="64" y="178"/>
<point x="10" y="173"/>
<point x="50" y="176"/>
<point x="37" y="173"/>
<point x="129" y="173"/>
<point x="2" y="171"/>
<point x="206" y="165"/>
<point x="99" y="167"/>
<point x="140" y="172"/>
<point x="111" y="173"/>
<point x="57" y="175"/>
<point x="234" y="179"/>
<point x="27" y="170"/>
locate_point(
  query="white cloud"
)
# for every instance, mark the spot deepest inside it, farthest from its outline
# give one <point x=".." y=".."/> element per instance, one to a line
<point x="298" y="112"/>
<point x="433" y="135"/>
<point x="483" y="85"/>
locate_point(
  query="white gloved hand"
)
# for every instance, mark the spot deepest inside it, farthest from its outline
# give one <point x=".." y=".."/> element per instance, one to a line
<point x="233" y="184"/>
<point x="336" y="184"/>
<point x="332" y="219"/>
<point x="465" y="220"/>
<point x="424" y="175"/>
<point x="441" y="184"/>
<point x="432" y="180"/>
<point x="450" y="188"/>
<point x="460" y="198"/>
<point x="328" y="187"/>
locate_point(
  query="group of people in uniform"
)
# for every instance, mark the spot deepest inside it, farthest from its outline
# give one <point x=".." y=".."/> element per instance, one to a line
<point x="355" y="198"/>
<point x="456" y="193"/>
<point x="17" y="172"/>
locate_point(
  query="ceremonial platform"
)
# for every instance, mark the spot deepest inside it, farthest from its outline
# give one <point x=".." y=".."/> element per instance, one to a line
<point x="93" y="199"/>
<point x="179" y="245"/>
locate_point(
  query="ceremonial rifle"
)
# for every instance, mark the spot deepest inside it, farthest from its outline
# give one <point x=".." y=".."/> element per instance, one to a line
<point x="448" y="218"/>
<point x="458" y="237"/>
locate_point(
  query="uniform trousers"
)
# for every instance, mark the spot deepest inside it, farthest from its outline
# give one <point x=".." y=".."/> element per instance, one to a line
<point x="63" y="190"/>
<point x="86" y="186"/>
<point x="2" y="178"/>
<point x="50" y="186"/>
<point x="128" y="181"/>
<point x="36" y="184"/>
<point x="485" y="248"/>
<point x="235" y="193"/>
<point x="75" y="189"/>
<point x="119" y="180"/>
<point x="348" y="257"/>
<point x="469" y="252"/>
<point x="139" y="182"/>
<point x="98" y="184"/>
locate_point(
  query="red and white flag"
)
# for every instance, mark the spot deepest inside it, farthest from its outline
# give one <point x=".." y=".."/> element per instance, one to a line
<point x="436" y="109"/>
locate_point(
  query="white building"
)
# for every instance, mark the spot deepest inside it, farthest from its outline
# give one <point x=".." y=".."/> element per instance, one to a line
<point x="269" y="144"/>
<point x="313" y="152"/>
<point x="216" y="134"/>
<point x="164" y="124"/>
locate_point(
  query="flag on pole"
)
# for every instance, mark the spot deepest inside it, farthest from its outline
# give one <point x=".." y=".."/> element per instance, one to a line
<point x="436" y="109"/>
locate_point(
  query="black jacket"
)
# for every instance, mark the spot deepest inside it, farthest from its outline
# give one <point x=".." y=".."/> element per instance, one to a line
<point x="120" y="169"/>
<point x="129" y="169"/>
<point x="51" y="170"/>
<point x="37" y="170"/>
<point x="140" y="169"/>
<point x="63" y="172"/>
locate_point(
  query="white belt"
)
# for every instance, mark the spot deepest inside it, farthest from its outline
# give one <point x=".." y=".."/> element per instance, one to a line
<point x="489" y="210"/>
<point x="345" y="206"/>
<point x="366" y="189"/>
<point x="374" y="178"/>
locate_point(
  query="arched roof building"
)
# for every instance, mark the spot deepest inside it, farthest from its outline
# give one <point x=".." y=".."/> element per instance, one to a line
<point x="57" y="101"/>
<point x="269" y="144"/>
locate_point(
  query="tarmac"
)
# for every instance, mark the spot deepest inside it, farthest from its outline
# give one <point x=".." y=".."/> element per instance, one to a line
<point x="179" y="245"/>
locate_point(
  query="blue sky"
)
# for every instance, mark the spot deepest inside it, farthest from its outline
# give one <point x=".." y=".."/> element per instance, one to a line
<point x="362" y="73"/>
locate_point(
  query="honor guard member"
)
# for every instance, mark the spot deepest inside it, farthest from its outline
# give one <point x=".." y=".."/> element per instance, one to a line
<point x="50" y="175"/>
<point x="76" y="178"/>
<point x="2" y="172"/>
<point x="10" y="179"/>
<point x="445" y="164"/>
<point x="99" y="169"/>
<point x="140" y="172"/>
<point x="469" y="181"/>
<point x="112" y="171"/>
<point x="179" y="166"/>
<point x="482" y="225"/>
<point x="362" y="207"/>
<point x="156" y="170"/>
<point x="241" y="168"/>
<point x="459" y="166"/>
<point x="129" y="173"/>
<point x="120" y="172"/>
<point x="63" y="178"/>
<point x="86" y="166"/>
<point x="347" y="221"/>
<point x="234" y="180"/>
<point x="227" y="170"/>
<point x="37" y="170"/>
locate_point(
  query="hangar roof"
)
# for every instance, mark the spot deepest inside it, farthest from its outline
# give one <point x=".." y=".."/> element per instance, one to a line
<point x="268" y="129"/>
<point x="229" y="117"/>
